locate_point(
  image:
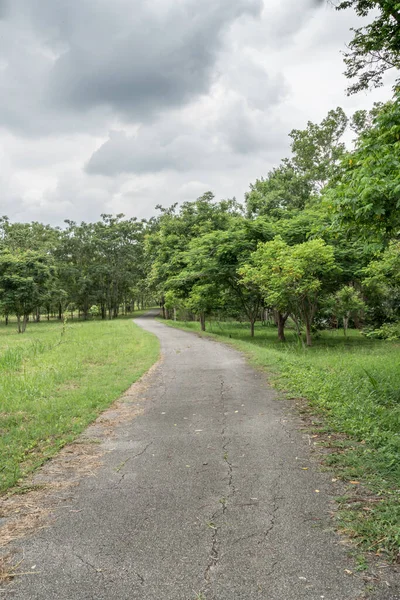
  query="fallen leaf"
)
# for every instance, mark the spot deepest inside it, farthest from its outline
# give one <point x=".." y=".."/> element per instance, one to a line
<point x="348" y="572"/>
<point x="355" y="482"/>
<point x="317" y="491"/>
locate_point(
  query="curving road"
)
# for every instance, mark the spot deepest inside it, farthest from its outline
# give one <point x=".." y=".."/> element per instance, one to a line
<point x="210" y="494"/>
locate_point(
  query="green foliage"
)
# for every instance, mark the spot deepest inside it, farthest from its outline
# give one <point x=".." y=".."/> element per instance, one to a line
<point x="24" y="276"/>
<point x="388" y="331"/>
<point x="375" y="48"/>
<point x="346" y="302"/>
<point x="366" y="197"/>
<point x="292" y="278"/>
<point x="318" y="148"/>
<point x="284" y="189"/>
<point x="381" y="281"/>
<point x="94" y="311"/>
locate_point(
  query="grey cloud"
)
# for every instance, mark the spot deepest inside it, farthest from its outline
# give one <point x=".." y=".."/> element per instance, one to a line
<point x="69" y="65"/>
<point x="150" y="65"/>
<point x="148" y="152"/>
<point x="231" y="131"/>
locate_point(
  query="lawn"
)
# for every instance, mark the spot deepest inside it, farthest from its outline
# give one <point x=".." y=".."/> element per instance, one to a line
<point x="354" y="384"/>
<point x="56" y="378"/>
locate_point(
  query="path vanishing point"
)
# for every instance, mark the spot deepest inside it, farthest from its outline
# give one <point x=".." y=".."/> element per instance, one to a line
<point x="209" y="494"/>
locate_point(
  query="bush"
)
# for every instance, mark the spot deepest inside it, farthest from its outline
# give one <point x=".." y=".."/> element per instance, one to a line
<point x="94" y="311"/>
<point x="388" y="331"/>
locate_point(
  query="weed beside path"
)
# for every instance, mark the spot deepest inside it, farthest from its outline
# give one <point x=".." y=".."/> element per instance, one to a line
<point x="56" y="379"/>
<point x="355" y="384"/>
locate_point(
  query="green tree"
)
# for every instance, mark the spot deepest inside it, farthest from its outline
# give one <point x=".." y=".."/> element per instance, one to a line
<point x="284" y="189"/>
<point x="366" y="197"/>
<point x="318" y="148"/>
<point x="24" y="276"/>
<point x="293" y="278"/>
<point x="169" y="238"/>
<point x="382" y="284"/>
<point x="375" y="48"/>
<point x="347" y="301"/>
<point x="262" y="270"/>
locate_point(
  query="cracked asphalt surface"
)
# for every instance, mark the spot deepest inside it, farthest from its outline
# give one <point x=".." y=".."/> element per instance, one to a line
<point x="211" y="494"/>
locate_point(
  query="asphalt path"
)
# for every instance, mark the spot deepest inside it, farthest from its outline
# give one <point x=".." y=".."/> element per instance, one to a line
<point x="210" y="494"/>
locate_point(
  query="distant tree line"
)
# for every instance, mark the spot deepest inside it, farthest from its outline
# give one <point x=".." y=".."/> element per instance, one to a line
<point x="92" y="269"/>
<point x="316" y="242"/>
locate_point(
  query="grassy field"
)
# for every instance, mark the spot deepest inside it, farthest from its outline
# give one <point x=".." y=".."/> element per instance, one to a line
<point x="56" y="378"/>
<point x="355" y="384"/>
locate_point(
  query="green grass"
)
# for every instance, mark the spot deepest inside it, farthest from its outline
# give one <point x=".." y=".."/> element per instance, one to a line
<point x="56" y="379"/>
<point x="355" y="385"/>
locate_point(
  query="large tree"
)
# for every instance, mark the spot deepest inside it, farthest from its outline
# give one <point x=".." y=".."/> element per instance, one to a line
<point x="365" y="196"/>
<point x="375" y="47"/>
<point x="24" y="277"/>
<point x="292" y="279"/>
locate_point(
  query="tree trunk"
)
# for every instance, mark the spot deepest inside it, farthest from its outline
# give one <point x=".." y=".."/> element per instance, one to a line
<point x="308" y="333"/>
<point x="60" y="312"/>
<point x="345" y="325"/>
<point x="202" y="321"/>
<point x="19" y="324"/>
<point x="6" y="319"/>
<point x="24" y="322"/>
<point x="281" y="326"/>
<point x="163" y="312"/>
<point x="252" y="321"/>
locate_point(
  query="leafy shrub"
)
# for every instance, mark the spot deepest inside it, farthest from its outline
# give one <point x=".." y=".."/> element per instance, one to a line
<point x="388" y="331"/>
<point x="94" y="311"/>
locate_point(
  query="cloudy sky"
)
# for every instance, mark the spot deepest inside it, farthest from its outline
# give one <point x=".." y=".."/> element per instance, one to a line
<point x="119" y="105"/>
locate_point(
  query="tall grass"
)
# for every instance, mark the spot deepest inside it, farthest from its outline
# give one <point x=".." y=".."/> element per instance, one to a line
<point x="55" y="380"/>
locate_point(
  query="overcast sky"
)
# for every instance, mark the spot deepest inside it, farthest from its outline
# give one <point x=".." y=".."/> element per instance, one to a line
<point x="118" y="105"/>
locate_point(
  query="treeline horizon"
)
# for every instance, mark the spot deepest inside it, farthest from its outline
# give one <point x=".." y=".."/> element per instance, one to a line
<point x="316" y="240"/>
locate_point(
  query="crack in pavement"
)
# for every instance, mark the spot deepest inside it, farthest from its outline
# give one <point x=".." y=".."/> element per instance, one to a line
<point x="226" y="441"/>
<point x="140" y="577"/>
<point x="122" y="465"/>
<point x="275" y="508"/>
<point x="214" y="554"/>
<point x="88" y="564"/>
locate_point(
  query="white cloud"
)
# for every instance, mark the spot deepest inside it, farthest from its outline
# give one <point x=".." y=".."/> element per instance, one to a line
<point x="108" y="109"/>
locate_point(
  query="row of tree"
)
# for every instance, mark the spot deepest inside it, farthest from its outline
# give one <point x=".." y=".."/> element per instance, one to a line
<point x="92" y="268"/>
<point x="316" y="240"/>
